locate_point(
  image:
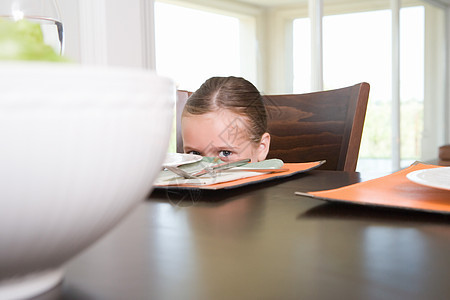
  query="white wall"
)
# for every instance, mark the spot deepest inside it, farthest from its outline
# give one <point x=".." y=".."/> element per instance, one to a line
<point x="108" y="32"/>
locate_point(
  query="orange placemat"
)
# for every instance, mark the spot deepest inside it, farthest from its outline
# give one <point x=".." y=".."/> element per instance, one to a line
<point x="394" y="190"/>
<point x="292" y="169"/>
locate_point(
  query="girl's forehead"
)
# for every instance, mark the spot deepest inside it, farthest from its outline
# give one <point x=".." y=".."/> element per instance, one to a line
<point x="224" y="123"/>
<point x="223" y="127"/>
<point x="222" y="117"/>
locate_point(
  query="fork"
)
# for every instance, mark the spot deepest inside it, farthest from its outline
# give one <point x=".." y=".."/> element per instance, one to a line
<point x="207" y="170"/>
<point x="212" y="169"/>
<point x="180" y="172"/>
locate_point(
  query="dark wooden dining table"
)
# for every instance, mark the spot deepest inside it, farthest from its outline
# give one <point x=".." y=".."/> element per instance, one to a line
<point x="264" y="242"/>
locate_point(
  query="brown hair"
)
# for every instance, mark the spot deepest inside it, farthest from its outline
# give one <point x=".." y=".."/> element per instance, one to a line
<point x="235" y="94"/>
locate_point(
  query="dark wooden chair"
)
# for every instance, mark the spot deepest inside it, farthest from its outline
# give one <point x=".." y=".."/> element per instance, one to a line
<point x="324" y="125"/>
<point x="182" y="97"/>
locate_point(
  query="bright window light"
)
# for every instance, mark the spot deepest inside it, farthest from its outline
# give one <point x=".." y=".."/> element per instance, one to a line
<point x="194" y="45"/>
<point x="356" y="48"/>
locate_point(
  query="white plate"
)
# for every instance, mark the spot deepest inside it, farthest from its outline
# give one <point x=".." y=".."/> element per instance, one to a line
<point x="436" y="177"/>
<point x="178" y="159"/>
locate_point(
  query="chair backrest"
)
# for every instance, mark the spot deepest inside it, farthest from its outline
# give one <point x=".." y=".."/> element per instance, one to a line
<point x="315" y="126"/>
<point x="324" y="125"/>
<point x="182" y="97"/>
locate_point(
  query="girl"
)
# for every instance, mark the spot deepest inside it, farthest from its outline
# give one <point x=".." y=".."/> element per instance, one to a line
<point x="226" y="117"/>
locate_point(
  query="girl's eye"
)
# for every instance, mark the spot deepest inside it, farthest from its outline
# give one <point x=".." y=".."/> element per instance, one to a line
<point x="225" y="153"/>
<point x="194" y="152"/>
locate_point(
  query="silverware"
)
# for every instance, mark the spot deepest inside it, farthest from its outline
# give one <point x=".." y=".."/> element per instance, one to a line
<point x="210" y="169"/>
<point x="224" y="166"/>
<point x="180" y="172"/>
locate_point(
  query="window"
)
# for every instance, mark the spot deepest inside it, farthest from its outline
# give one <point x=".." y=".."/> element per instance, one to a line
<point x="193" y="45"/>
<point x="357" y="47"/>
<point x="362" y="53"/>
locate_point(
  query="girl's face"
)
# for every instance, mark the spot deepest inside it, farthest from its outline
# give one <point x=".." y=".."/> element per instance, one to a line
<point x="221" y="134"/>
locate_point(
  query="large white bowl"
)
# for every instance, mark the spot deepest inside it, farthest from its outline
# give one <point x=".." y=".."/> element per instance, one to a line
<point x="79" y="148"/>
